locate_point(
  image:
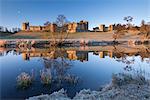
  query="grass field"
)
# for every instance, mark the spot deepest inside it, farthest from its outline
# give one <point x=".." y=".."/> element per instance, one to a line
<point x="82" y="35"/>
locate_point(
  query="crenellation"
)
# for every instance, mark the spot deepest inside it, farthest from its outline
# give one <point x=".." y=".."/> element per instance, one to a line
<point x="25" y="26"/>
<point x="82" y="26"/>
<point x="50" y="27"/>
<point x="111" y="27"/>
<point x="72" y="27"/>
<point x="102" y="27"/>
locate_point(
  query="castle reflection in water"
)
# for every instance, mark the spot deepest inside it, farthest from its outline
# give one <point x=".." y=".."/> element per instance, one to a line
<point x="80" y="54"/>
<point x="72" y="55"/>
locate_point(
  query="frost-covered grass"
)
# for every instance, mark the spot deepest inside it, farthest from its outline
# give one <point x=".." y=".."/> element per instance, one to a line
<point x="24" y="80"/>
<point x="122" y="87"/>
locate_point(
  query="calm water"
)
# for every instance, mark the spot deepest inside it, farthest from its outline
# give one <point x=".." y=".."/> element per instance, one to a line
<point x="71" y="69"/>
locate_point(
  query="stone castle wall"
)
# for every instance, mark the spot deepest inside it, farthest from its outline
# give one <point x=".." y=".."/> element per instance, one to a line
<point x="102" y="27"/>
<point x="50" y="27"/>
<point x="82" y="26"/>
<point x="73" y="27"/>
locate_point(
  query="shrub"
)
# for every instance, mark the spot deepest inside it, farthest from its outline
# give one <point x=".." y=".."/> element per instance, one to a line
<point x="24" y="80"/>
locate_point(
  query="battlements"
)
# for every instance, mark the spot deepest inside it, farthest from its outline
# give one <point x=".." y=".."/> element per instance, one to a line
<point x="27" y="27"/>
<point x="72" y="27"/>
<point x="82" y="26"/>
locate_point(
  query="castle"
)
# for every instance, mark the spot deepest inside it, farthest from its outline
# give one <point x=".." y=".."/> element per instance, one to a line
<point x="73" y="27"/>
<point x="50" y="27"/>
<point x="82" y="26"/>
<point x="103" y="28"/>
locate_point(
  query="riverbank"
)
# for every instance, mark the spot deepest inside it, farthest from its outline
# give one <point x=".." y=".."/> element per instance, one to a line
<point x="74" y="39"/>
<point x="45" y="35"/>
<point x="122" y="87"/>
<point x="97" y="36"/>
<point x="37" y="43"/>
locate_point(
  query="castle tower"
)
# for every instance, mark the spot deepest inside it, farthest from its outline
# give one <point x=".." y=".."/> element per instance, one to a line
<point x="72" y="27"/>
<point x="81" y="26"/>
<point x="111" y="27"/>
<point x="86" y="26"/>
<point x="25" y="26"/>
<point x="102" y="27"/>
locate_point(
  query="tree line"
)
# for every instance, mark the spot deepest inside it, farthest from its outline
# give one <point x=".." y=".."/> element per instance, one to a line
<point x="121" y="29"/>
<point x="6" y="30"/>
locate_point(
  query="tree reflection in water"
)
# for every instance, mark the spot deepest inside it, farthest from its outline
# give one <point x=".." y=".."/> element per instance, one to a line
<point x="128" y="63"/>
<point x="120" y="56"/>
<point x="124" y="57"/>
<point x="45" y="76"/>
<point x="55" y="69"/>
<point x="56" y="63"/>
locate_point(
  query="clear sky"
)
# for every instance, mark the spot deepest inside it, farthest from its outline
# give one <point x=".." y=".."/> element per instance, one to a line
<point x="14" y="12"/>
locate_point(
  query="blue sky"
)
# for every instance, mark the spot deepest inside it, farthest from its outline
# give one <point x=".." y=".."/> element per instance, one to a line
<point x="14" y="12"/>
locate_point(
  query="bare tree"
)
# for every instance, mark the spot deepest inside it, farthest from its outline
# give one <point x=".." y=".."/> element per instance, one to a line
<point x="58" y="67"/>
<point x="60" y="34"/>
<point x="62" y="25"/>
<point x="47" y="23"/>
<point x="142" y="22"/>
<point x="6" y="30"/>
<point x="61" y="20"/>
<point x="119" y="31"/>
<point x="144" y="30"/>
<point x="129" y="19"/>
<point x="1" y="29"/>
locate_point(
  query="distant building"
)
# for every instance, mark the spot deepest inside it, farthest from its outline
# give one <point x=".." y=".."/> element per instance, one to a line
<point x="25" y="26"/>
<point x="102" y="27"/>
<point x="82" y="26"/>
<point x="72" y="27"/>
<point x="111" y="28"/>
<point x="106" y="29"/>
<point x="49" y="27"/>
<point x="36" y="28"/>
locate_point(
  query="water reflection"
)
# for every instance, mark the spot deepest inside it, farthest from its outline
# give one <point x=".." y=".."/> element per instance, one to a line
<point x="56" y="66"/>
<point x="57" y="60"/>
<point x="69" y="68"/>
<point x="80" y="53"/>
